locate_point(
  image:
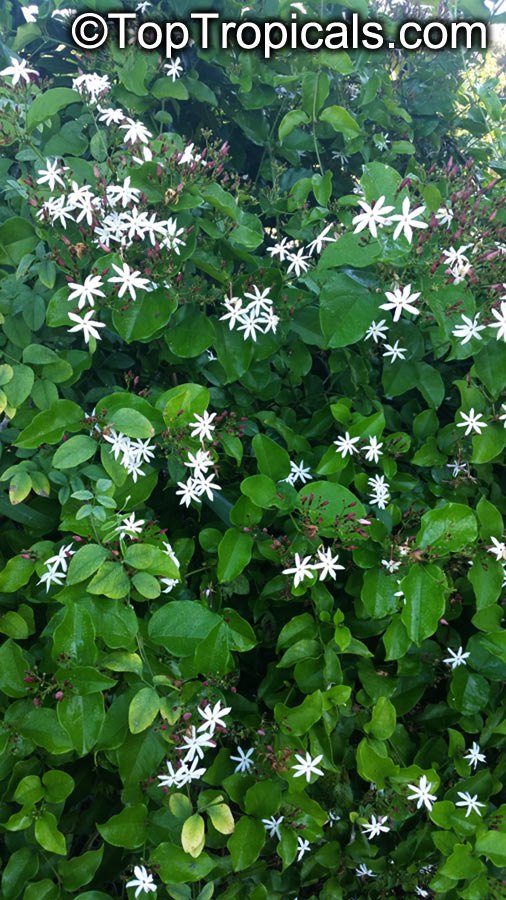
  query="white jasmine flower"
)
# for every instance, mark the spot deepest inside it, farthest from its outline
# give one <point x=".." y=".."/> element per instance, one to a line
<point x="474" y="756"/>
<point x="91" y="85"/>
<point x="375" y="827"/>
<point x="298" y="472"/>
<point x="468" y="329"/>
<point x="122" y="193"/>
<point x="51" y="577"/>
<point x="143" y="881"/>
<point x="130" y="526"/>
<point x="250" y="324"/>
<point x="302" y="569"/>
<point x="200" y="462"/>
<point x="302" y="847"/>
<point x="456" y="659"/>
<point x="401" y="300"/>
<point x="377" y="331"/>
<point x="298" y="262"/>
<point x="188" y="491"/>
<point x="51" y="175"/>
<point x="111" y="116"/>
<point x="407" y="220"/>
<point x="307" y="766"/>
<point x="390" y="565"/>
<point x="372" y="217"/>
<point x="373" y="449"/>
<point x="235" y="311"/>
<point x="394" y="351"/>
<point x="421" y="793"/>
<point x="498" y="550"/>
<point x="501" y="321"/>
<point x="471" y="422"/>
<point x="363" y="872"/>
<point x="195" y="744"/>
<point x="260" y="300"/>
<point x="86" y="293"/>
<point x="316" y="246"/>
<point x="444" y="216"/>
<point x="135" y="131"/>
<point x="129" y="280"/>
<point x="327" y="564"/>
<point x="202" y="426"/>
<point x="213" y="716"/>
<point x="186" y="774"/>
<point x="346" y="444"/>
<point x="272" y="826"/>
<point x="86" y="324"/>
<point x="61" y="559"/>
<point x="19" y="70"/>
<point x="174" y="68"/>
<point x="243" y="760"/>
<point x="281" y="249"/>
<point x="471" y="802"/>
<point x="205" y="485"/>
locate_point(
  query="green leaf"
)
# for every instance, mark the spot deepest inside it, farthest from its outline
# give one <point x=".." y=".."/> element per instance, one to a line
<point x="180" y="625"/>
<point x="340" y="120"/>
<point x="111" y="581"/>
<point x="74" y="452"/>
<point x="58" y="785"/>
<point x="20" y="868"/>
<point x="131" y="422"/>
<point x="47" y="104"/>
<point x="273" y="460"/>
<point x="83" y="719"/>
<point x="143" y="710"/>
<point x="47" y="834"/>
<point x="127" y="828"/>
<point x="246" y="843"/>
<point x="383" y="719"/>
<point x="13" y="669"/>
<point x="291" y="120"/>
<point x="234" y="554"/>
<point x="448" y="528"/>
<point x="221" y="817"/>
<point x="80" y="870"/>
<point x="493" y="845"/>
<point x="48" y="427"/>
<point x="193" y="835"/>
<point x="425" y="589"/>
<point x="16" y="574"/>
<point x="178" y="867"/>
<point x="347" y="308"/>
<point x="85" y="563"/>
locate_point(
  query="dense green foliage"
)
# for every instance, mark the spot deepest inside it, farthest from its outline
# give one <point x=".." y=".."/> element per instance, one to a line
<point x="252" y="462"/>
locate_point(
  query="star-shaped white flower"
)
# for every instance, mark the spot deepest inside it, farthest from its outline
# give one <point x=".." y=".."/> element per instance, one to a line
<point x="363" y="872"/>
<point x="501" y="321"/>
<point x="143" y="881"/>
<point x="468" y="329"/>
<point x="303" y="846"/>
<point x="174" y="68"/>
<point x="374" y="828"/>
<point x="346" y="445"/>
<point x="407" y="220"/>
<point x="86" y="324"/>
<point x="19" y="70"/>
<point x="377" y="331"/>
<point x="195" y="744"/>
<point x="372" y="217"/>
<point x="456" y="659"/>
<point x="212" y="716"/>
<point x="272" y="826"/>
<point x="202" y="426"/>
<point x="307" y="766"/>
<point x="395" y="352"/>
<point x="474" y="756"/>
<point x="498" y="550"/>
<point x="471" y="802"/>
<point x="471" y="422"/>
<point x="86" y="292"/>
<point x="298" y="473"/>
<point x="327" y="564"/>
<point x="129" y="280"/>
<point x="303" y="568"/>
<point x="373" y="449"/>
<point x="401" y="300"/>
<point x="243" y="759"/>
<point x="316" y="246"/>
<point x="421" y="793"/>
